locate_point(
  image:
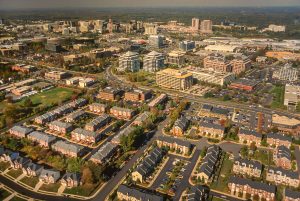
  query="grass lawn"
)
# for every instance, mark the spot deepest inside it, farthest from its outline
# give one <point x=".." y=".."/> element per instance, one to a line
<point x="278" y="93"/>
<point x="16" y="198"/>
<point x="3" y="166"/>
<point x="50" y="187"/>
<point x="30" y="181"/>
<point x="46" y="98"/>
<point x="15" y="173"/>
<point x="265" y="157"/>
<point x="4" y="194"/>
<point x="221" y="183"/>
<point x="84" y="190"/>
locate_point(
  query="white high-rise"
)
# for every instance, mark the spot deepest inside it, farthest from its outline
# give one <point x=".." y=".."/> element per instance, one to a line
<point x="129" y="61"/>
<point x="154" y="61"/>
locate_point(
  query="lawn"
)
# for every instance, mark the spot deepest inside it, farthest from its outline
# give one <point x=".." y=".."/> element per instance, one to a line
<point x="3" y="166"/>
<point x="4" y="194"/>
<point x="84" y="190"/>
<point x="265" y="157"/>
<point x="15" y="173"/>
<point x="50" y="187"/>
<point x="222" y="181"/>
<point x="278" y="97"/>
<point x="30" y="181"/>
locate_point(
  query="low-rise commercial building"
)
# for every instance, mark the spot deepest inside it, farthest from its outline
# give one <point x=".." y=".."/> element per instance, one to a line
<point x="56" y="75"/>
<point x="244" y="84"/>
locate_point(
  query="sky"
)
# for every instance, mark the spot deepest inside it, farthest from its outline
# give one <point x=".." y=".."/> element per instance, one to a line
<point x="28" y="4"/>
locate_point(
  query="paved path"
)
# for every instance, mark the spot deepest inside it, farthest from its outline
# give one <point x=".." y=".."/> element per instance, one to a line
<point x="61" y="189"/>
<point x="20" y="177"/>
<point x="38" y="186"/>
<point x="10" y="196"/>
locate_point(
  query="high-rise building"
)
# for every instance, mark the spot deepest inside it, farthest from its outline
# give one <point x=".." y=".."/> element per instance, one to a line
<point x="154" y="61"/>
<point x="187" y="45"/>
<point x="156" y="41"/>
<point x="196" y="23"/>
<point x="110" y="25"/>
<point x="151" y="29"/>
<point x="129" y="61"/>
<point x="206" y="26"/>
<point x="176" y="58"/>
<point x="174" y="79"/>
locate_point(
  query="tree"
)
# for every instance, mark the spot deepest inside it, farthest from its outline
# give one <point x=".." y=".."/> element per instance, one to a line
<point x="87" y="176"/>
<point x="28" y="103"/>
<point x="74" y="164"/>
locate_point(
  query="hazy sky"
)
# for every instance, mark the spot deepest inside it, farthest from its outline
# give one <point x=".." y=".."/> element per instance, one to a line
<point x="17" y="4"/>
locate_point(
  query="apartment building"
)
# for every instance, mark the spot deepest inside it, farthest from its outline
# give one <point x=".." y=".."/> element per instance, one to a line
<point x="98" y="123"/>
<point x="211" y="130"/>
<point x="43" y="139"/>
<point x="174" y="79"/>
<point x="56" y="75"/>
<point x="243" y="186"/>
<point x="122" y="113"/>
<point x="60" y="127"/>
<point x="137" y="95"/>
<point x="196" y="24"/>
<point x="85" y="136"/>
<point x="282" y="157"/>
<point x="151" y="29"/>
<point x="154" y="61"/>
<point x="282" y="176"/>
<point x="162" y="98"/>
<point x="206" y="27"/>
<point x="20" y="131"/>
<point x="276" y="139"/>
<point x="291" y="195"/>
<point x="176" y="58"/>
<point x="67" y="148"/>
<point x="178" y="145"/>
<point x="247" y="167"/>
<point x="129" y="61"/>
<point x="110" y="94"/>
<point x="248" y="137"/>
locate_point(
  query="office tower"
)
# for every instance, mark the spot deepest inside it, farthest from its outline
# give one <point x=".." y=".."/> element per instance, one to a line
<point x="151" y="29"/>
<point x="156" y="41"/>
<point x="129" y="61"/>
<point x="196" y="23"/>
<point x="154" y="61"/>
<point x="110" y="25"/>
<point x="176" y="58"/>
<point x="187" y="45"/>
<point x="206" y="26"/>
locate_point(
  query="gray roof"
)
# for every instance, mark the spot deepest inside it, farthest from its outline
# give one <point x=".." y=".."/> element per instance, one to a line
<point x="61" y="124"/>
<point x="99" y="120"/>
<point x="249" y="132"/>
<point x="22" y="129"/>
<point x="292" y="194"/>
<point x="73" y="176"/>
<point x="253" y="184"/>
<point x="126" y="131"/>
<point x="76" y="114"/>
<point x="209" y="161"/>
<point x="212" y="125"/>
<point x="284" y="152"/>
<point x="50" y="172"/>
<point x="106" y="151"/>
<point x="249" y="163"/>
<point x="42" y="136"/>
<point x="33" y="166"/>
<point x="281" y="171"/>
<point x="138" y="194"/>
<point x="122" y="109"/>
<point x="198" y="193"/>
<point x="279" y="137"/>
<point x="75" y="148"/>
<point x="182" y="123"/>
<point x="142" y="117"/>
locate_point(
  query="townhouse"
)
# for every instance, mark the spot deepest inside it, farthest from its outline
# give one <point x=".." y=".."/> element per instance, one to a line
<point x="209" y="164"/>
<point x="110" y="94"/>
<point x="49" y="176"/>
<point x="60" y="127"/>
<point x="282" y="176"/>
<point x="20" y="131"/>
<point x="282" y="157"/>
<point x="141" y="118"/>
<point x="80" y="102"/>
<point x="291" y="195"/>
<point x="276" y="139"/>
<point x="178" y="145"/>
<point x="67" y="148"/>
<point x="126" y="131"/>
<point x="98" y="108"/>
<point x="211" y="111"/>
<point x="248" y="137"/>
<point x="46" y="118"/>
<point x="43" y="139"/>
<point x="98" y="123"/>
<point x="85" y="136"/>
<point x="105" y="153"/>
<point x="198" y="193"/>
<point x="247" y="167"/>
<point x="32" y="169"/>
<point x="71" y="180"/>
<point x="244" y="187"/>
<point x="130" y="194"/>
<point x="8" y="155"/>
<point x="148" y="165"/>
<point x="19" y="162"/>
<point x="211" y="130"/>
<point x="122" y="113"/>
<point x="180" y="126"/>
<point x="74" y="116"/>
